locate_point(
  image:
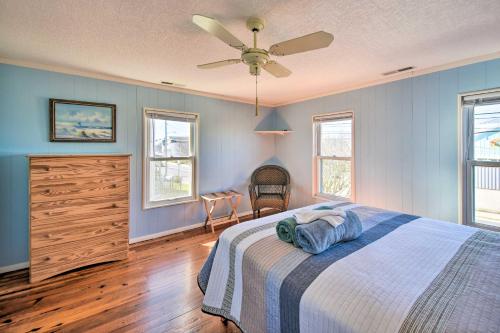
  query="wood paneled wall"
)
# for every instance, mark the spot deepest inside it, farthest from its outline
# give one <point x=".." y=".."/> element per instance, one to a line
<point x="405" y="140"/>
<point x="229" y="149"/>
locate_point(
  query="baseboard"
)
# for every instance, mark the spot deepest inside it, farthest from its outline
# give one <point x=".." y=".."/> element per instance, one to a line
<point x="15" y="267"/>
<point x="181" y="229"/>
<point x="164" y="233"/>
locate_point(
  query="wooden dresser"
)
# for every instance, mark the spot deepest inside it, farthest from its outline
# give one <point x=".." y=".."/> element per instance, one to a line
<point x="79" y="211"/>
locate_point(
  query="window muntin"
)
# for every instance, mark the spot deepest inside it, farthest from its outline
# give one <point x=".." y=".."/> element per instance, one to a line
<point x="169" y="157"/>
<point x="333" y="162"/>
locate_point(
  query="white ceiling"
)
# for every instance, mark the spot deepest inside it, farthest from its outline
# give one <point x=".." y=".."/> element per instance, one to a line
<point x="155" y="41"/>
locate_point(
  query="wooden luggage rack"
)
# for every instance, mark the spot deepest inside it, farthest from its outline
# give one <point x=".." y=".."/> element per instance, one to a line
<point x="232" y="200"/>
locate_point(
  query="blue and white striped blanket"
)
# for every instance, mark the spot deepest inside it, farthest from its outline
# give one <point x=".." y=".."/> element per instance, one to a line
<point x="403" y="274"/>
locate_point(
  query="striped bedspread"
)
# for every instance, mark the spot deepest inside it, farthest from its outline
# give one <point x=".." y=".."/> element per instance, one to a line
<point x="403" y="274"/>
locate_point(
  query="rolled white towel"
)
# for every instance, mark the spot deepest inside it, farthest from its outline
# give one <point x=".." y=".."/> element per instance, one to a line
<point x="332" y="216"/>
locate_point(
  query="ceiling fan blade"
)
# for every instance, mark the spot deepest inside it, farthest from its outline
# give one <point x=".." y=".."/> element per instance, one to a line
<point x="219" y="63"/>
<point x="276" y="69"/>
<point x="214" y="27"/>
<point x="316" y="40"/>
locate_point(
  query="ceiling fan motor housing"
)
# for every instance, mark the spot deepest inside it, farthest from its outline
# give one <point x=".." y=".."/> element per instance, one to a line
<point x="255" y="58"/>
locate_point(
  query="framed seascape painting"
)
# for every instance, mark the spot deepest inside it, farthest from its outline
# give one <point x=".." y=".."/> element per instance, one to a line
<point x="76" y="121"/>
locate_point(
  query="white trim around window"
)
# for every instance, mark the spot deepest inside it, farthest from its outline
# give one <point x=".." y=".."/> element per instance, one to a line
<point x="186" y="157"/>
<point x="319" y="157"/>
<point x="467" y="162"/>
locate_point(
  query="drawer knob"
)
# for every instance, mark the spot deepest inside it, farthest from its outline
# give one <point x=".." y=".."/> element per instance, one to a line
<point x="115" y="166"/>
<point x="114" y="206"/>
<point x="115" y="224"/>
<point x="114" y="186"/>
<point x="48" y="235"/>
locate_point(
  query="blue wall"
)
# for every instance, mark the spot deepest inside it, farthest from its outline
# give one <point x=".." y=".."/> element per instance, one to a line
<point x="229" y="149"/>
<point x="405" y="140"/>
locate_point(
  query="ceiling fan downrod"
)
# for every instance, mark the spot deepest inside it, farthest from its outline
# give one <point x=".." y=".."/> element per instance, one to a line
<point x="256" y="57"/>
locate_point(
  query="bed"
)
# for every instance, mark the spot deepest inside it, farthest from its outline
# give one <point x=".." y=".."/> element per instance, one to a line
<point x="405" y="273"/>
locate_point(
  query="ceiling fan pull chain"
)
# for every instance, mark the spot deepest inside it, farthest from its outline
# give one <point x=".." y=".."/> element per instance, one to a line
<point x="256" y="98"/>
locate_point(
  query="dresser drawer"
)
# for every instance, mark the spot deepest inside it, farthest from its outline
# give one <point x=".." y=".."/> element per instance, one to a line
<point x="66" y="211"/>
<point x="52" y="260"/>
<point x="64" y="189"/>
<point x="74" y="167"/>
<point x="60" y="232"/>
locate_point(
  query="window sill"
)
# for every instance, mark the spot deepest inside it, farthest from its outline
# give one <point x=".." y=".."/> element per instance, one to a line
<point x="169" y="203"/>
<point x="484" y="226"/>
<point x="325" y="197"/>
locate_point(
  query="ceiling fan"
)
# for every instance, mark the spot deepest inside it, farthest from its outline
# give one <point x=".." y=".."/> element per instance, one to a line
<point x="257" y="58"/>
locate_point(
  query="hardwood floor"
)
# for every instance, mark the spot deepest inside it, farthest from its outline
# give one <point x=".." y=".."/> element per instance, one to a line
<point x="155" y="290"/>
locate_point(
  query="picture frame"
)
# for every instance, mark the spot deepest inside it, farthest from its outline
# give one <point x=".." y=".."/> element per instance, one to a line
<point x="79" y="121"/>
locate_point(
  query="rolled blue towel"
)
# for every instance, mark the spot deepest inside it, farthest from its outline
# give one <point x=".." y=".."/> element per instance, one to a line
<point x="286" y="230"/>
<point x="318" y="236"/>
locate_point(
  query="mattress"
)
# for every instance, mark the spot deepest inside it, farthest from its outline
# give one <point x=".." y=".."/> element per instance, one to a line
<point x="405" y="273"/>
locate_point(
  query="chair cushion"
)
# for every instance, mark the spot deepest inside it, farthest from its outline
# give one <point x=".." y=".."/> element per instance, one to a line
<point x="265" y="200"/>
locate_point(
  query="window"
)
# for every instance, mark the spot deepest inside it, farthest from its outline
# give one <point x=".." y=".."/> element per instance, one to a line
<point x="170" y="157"/>
<point x="480" y="162"/>
<point x="333" y="162"/>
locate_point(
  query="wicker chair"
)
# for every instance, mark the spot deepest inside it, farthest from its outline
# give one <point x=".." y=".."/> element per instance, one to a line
<point x="269" y="188"/>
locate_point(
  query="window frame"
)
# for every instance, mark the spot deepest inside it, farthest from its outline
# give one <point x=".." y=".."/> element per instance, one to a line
<point x="465" y="163"/>
<point x="146" y="159"/>
<point x="317" y="158"/>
